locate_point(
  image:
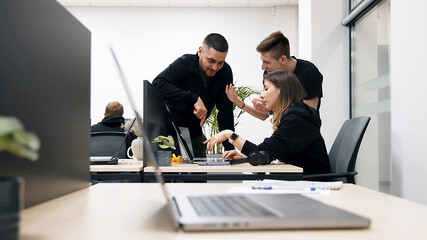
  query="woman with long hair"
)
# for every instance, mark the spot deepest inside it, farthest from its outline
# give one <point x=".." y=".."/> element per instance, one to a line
<point x="296" y="138"/>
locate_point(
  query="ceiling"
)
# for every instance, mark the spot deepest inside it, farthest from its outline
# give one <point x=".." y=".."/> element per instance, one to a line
<point x="178" y="3"/>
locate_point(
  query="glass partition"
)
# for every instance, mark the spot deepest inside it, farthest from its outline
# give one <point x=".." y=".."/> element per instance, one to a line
<point x="370" y="94"/>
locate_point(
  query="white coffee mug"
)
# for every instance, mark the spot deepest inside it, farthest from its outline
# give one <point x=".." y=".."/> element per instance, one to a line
<point x="128" y="153"/>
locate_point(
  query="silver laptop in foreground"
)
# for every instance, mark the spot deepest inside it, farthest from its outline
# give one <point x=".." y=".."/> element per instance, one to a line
<point x="246" y="211"/>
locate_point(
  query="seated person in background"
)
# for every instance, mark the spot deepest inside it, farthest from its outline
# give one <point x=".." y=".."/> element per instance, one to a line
<point x="113" y="119"/>
<point x="296" y="138"/>
<point x="113" y="122"/>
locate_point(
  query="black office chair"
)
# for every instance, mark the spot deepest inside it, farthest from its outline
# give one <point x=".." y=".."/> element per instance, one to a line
<point x="107" y="144"/>
<point x="343" y="153"/>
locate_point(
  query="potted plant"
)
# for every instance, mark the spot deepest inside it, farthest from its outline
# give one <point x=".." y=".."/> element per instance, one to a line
<point x="15" y="140"/>
<point x="164" y="157"/>
<point x="211" y="124"/>
<point x="137" y="144"/>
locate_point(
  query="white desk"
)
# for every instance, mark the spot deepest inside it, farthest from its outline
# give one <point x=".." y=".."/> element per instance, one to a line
<point x="124" y="165"/>
<point x="137" y="211"/>
<point x="132" y="170"/>
<point x="126" y="170"/>
<point x="238" y="168"/>
<point x="244" y="171"/>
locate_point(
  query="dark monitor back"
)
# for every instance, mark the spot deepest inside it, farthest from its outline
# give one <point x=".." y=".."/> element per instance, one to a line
<point x="154" y="115"/>
<point x="45" y="82"/>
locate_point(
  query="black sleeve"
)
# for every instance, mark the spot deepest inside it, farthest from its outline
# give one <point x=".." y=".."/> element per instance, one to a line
<point x="225" y="111"/>
<point x="170" y="79"/>
<point x="291" y="137"/>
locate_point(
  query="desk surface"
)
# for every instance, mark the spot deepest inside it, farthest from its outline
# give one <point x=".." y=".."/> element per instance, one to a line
<point x="130" y="165"/>
<point x="124" y="165"/>
<point x="238" y="168"/>
<point x="137" y="211"/>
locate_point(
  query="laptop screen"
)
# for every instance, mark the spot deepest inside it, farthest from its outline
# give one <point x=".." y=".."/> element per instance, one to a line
<point x="154" y="115"/>
<point x="187" y="153"/>
<point x="147" y="143"/>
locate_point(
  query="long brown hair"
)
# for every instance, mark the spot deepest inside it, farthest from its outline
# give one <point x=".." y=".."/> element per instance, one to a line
<point x="291" y="92"/>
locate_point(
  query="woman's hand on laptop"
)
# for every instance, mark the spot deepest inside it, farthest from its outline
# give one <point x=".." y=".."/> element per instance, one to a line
<point x="218" y="138"/>
<point x="233" y="154"/>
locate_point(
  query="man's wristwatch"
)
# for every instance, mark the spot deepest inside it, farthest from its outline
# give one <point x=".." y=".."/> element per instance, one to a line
<point x="233" y="137"/>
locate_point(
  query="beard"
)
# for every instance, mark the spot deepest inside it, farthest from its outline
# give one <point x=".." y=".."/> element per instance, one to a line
<point x="203" y="73"/>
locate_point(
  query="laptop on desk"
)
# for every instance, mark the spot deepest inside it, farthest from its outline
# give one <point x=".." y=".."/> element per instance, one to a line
<point x="246" y="211"/>
<point x="103" y="160"/>
<point x="187" y="153"/>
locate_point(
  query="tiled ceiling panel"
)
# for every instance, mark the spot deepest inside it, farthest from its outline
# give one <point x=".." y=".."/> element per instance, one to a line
<point x="188" y="3"/>
<point x="179" y="3"/>
<point x="261" y="3"/>
<point x="149" y="3"/>
<point x="108" y="2"/>
<point x="228" y="3"/>
<point x="74" y="2"/>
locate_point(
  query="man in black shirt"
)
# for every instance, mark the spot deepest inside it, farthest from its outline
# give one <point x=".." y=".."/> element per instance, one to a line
<point x="113" y="119"/>
<point x="275" y="55"/>
<point x="194" y="84"/>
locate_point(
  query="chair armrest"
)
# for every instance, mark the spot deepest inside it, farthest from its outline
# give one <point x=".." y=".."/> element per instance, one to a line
<point x="328" y="176"/>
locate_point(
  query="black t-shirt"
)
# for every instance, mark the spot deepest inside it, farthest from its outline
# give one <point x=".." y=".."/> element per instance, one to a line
<point x="310" y="78"/>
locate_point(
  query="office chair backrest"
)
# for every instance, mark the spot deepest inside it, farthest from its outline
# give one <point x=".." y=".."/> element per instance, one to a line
<point x="107" y="144"/>
<point x="345" y="148"/>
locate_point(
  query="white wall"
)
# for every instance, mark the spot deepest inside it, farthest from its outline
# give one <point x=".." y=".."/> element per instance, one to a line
<point x="147" y="40"/>
<point x="408" y="87"/>
<point x="329" y="50"/>
<point x="304" y="30"/>
<point x="328" y="46"/>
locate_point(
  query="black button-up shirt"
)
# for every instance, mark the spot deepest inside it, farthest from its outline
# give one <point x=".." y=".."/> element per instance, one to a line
<point x="182" y="84"/>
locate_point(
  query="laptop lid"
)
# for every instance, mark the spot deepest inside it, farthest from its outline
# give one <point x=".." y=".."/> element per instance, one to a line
<point x="187" y="139"/>
<point x="147" y="143"/>
<point x="186" y="152"/>
<point x="288" y="211"/>
<point x="186" y="147"/>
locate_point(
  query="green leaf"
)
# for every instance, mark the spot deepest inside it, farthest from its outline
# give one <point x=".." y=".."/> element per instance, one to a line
<point x="160" y="139"/>
<point x="212" y="121"/>
<point x="165" y="142"/>
<point x="14" y="139"/>
<point x="9" y="125"/>
<point x="22" y="151"/>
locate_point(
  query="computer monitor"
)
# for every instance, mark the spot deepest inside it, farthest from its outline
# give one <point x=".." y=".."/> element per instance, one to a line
<point x="155" y="117"/>
<point x="45" y="57"/>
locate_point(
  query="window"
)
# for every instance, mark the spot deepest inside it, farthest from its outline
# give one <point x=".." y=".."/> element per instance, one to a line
<point x="370" y="93"/>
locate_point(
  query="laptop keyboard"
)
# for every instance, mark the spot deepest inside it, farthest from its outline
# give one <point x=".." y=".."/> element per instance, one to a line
<point x="228" y="205"/>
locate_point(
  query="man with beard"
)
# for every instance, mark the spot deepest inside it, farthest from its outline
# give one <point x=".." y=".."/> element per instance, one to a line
<point x="194" y="84"/>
